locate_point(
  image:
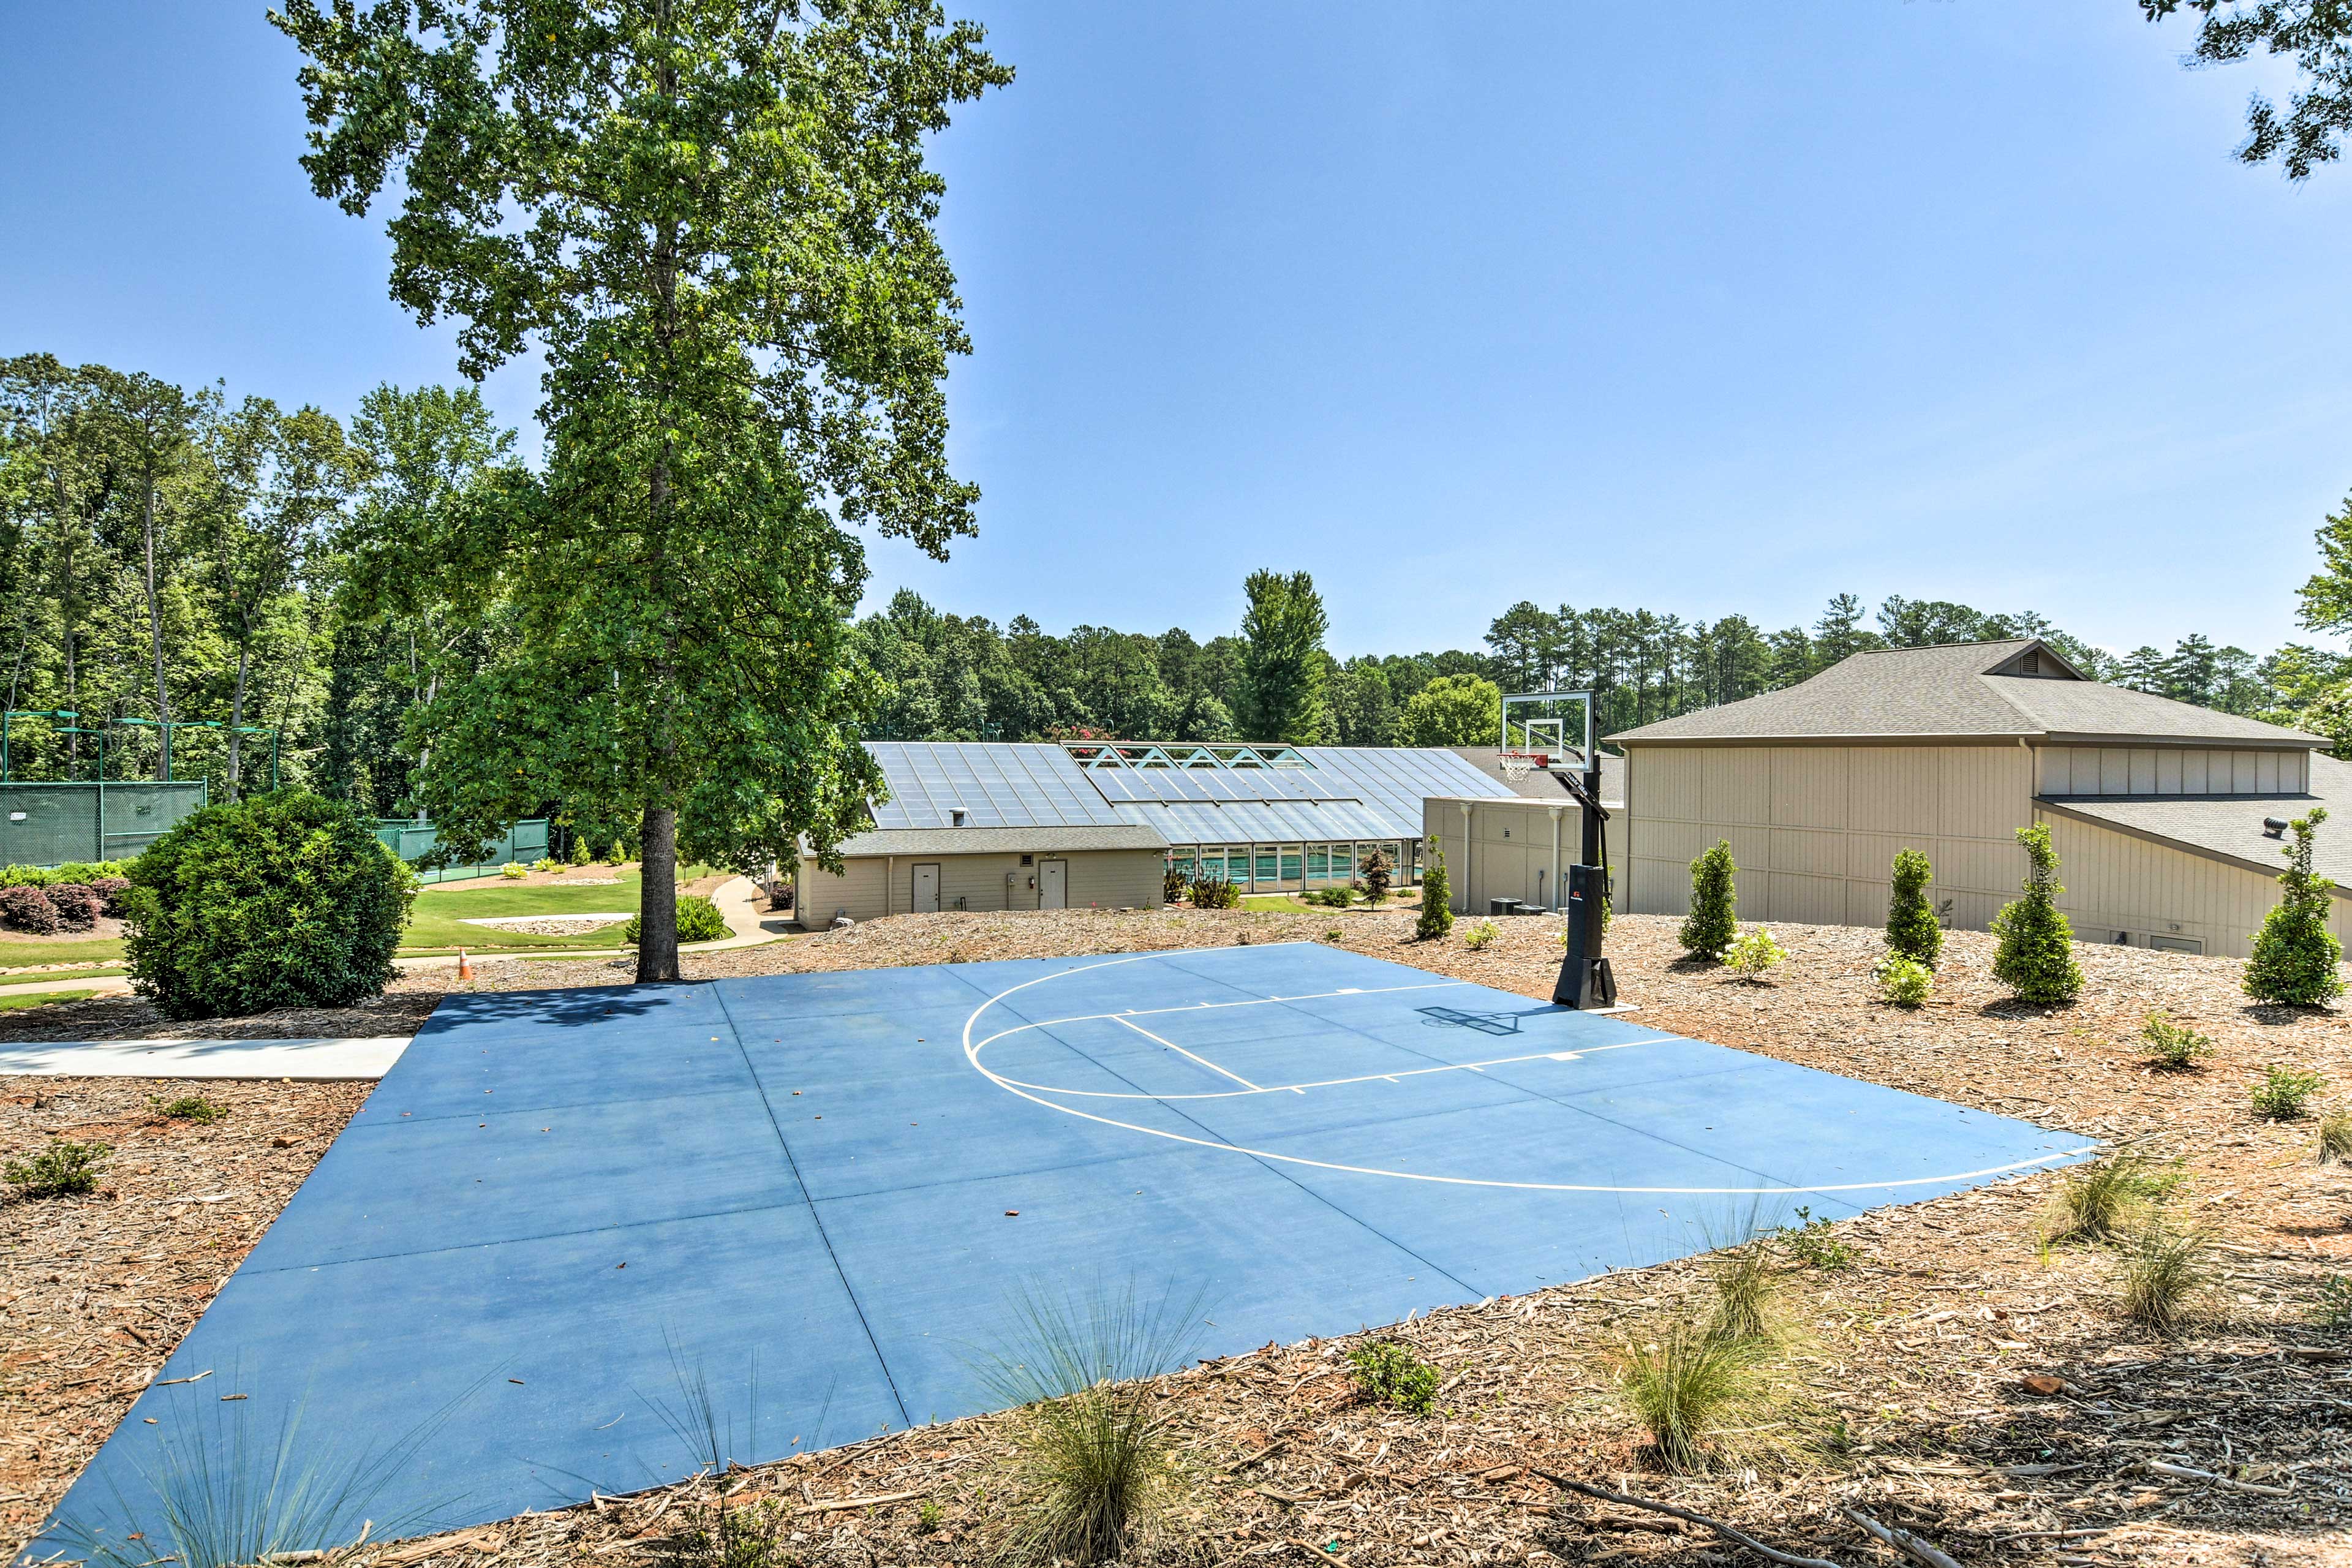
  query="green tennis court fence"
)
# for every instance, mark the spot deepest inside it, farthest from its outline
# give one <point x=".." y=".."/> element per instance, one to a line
<point x="413" y="841"/>
<point x="52" y="823"/>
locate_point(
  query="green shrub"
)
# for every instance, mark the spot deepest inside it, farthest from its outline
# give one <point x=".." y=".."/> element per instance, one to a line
<point x="514" y="871"/>
<point x="1714" y="918"/>
<point x="618" y="855"/>
<point x="1213" y="893"/>
<point x="1481" y="934"/>
<point x="1378" y="873"/>
<point x="284" y="900"/>
<point x="698" y="919"/>
<point x="579" y="855"/>
<point x="64" y="1169"/>
<point x="1436" y="917"/>
<point x="1172" y="884"/>
<point x="1815" y="1243"/>
<point x="2035" y="955"/>
<point x="547" y="863"/>
<point x="2175" y="1047"/>
<point x="1331" y="898"/>
<point x="2285" y="1093"/>
<point x="1388" y="1373"/>
<point x="2295" y="954"/>
<point x="188" y="1108"/>
<point x="1753" y="951"/>
<point x="1912" y="930"/>
<point x="1905" y="982"/>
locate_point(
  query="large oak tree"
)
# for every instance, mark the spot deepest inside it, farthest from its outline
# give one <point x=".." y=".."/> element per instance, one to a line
<point x="714" y="219"/>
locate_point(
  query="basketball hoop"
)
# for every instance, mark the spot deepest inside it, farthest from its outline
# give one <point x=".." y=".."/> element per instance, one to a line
<point x="1518" y="765"/>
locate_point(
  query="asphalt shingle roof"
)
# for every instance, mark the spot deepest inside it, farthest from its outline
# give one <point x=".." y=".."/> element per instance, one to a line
<point x="1947" y="692"/>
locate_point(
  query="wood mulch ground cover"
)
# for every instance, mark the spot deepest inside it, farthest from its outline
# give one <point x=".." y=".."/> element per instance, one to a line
<point x="127" y="1017"/>
<point x="95" y="1290"/>
<point x="1957" y="1378"/>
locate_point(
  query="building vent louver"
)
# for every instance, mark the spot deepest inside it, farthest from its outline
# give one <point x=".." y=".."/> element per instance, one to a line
<point x="2274" y="826"/>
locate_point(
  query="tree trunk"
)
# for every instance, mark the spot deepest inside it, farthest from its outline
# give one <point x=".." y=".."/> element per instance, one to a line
<point x="657" y="904"/>
<point x="155" y="632"/>
<point x="236" y="718"/>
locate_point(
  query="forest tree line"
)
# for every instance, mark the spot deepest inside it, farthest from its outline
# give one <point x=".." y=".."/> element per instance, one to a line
<point x="175" y="554"/>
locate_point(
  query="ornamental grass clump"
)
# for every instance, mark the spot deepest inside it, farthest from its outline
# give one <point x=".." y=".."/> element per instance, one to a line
<point x="1714" y="918"/>
<point x="2101" y="1200"/>
<point x="2174" y="1048"/>
<point x="2164" y="1279"/>
<point x="1093" y="1453"/>
<point x="1436" y="916"/>
<point x="284" y="900"/>
<point x="2295" y="955"/>
<point x="2035" y="955"/>
<point x="2335" y="1138"/>
<point x="1695" y="1391"/>
<point x="1912" y="929"/>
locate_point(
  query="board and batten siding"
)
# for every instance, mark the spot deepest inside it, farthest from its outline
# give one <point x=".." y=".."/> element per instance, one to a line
<point x="1507" y="853"/>
<point x="1815" y="828"/>
<point x="2170" y="770"/>
<point x="1102" y="879"/>
<point x="2117" y="883"/>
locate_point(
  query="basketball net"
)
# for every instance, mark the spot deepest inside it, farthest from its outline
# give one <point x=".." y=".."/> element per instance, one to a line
<point x="1518" y="765"/>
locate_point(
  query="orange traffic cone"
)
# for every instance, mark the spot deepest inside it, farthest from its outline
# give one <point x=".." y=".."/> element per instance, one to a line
<point x="464" y="970"/>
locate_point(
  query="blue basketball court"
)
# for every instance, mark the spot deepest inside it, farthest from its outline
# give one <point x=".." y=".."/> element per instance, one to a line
<point x="824" y="1196"/>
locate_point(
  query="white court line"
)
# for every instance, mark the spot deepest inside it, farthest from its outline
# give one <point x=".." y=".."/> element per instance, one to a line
<point x="1203" y="1006"/>
<point x="1181" y="1051"/>
<point x="972" y="1055"/>
<point x="1397" y="1077"/>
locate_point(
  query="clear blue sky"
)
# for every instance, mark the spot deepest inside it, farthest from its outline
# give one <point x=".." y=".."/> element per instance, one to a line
<point x="1707" y="308"/>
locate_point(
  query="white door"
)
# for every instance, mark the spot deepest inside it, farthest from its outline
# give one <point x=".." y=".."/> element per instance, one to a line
<point x="1053" y="884"/>
<point x="927" y="889"/>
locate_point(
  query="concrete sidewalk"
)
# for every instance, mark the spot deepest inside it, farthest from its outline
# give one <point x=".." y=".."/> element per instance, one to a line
<point x="319" y="1060"/>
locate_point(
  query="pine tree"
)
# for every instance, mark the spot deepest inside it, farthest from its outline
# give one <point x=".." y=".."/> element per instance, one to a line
<point x="2035" y="958"/>
<point x="1911" y="928"/>
<point x="1436" y="898"/>
<point x="1714" y="918"/>
<point x="2295" y="953"/>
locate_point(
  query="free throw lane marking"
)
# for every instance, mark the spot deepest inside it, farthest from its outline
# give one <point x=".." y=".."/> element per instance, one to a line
<point x="1188" y="1056"/>
<point x="971" y="1049"/>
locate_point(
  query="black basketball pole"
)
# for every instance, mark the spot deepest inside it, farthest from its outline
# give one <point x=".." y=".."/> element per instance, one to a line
<point x="1585" y="981"/>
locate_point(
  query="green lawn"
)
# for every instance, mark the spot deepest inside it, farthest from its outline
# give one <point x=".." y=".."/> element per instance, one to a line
<point x="437" y="924"/>
<point x="60" y="950"/>
<point x="41" y="999"/>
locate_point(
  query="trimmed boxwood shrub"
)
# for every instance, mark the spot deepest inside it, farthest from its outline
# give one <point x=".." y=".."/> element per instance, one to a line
<point x="1911" y="928"/>
<point x="698" y="919"/>
<point x="2035" y="953"/>
<point x="1436" y="917"/>
<point x="285" y="899"/>
<point x="28" y="910"/>
<point x="78" y="906"/>
<point x="2295" y="954"/>
<point x="1714" y="918"/>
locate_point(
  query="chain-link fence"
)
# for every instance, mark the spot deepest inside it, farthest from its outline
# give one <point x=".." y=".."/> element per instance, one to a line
<point x="52" y="824"/>
<point x="413" y="841"/>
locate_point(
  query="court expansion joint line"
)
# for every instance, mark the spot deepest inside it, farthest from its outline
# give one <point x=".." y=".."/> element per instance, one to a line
<point x="972" y="1050"/>
<point x="889" y="1379"/>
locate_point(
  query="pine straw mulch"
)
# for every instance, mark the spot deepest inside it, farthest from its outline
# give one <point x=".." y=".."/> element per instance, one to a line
<point x="1920" y="1352"/>
<point x="95" y="1290"/>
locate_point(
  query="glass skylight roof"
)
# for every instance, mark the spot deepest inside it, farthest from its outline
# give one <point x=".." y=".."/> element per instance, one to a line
<point x="1193" y="794"/>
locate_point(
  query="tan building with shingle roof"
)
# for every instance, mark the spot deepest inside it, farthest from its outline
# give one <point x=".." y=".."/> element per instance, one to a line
<point x="2158" y="808"/>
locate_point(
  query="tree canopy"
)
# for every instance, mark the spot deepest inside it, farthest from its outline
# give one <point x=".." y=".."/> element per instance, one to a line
<point x="714" y="219"/>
